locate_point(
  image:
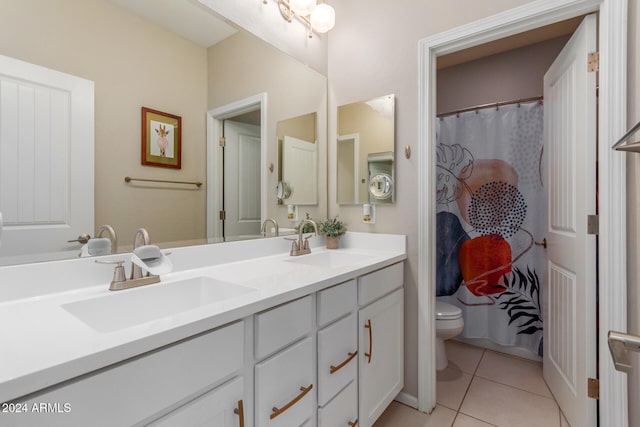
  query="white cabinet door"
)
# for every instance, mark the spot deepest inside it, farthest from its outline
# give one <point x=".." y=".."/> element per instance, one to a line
<point x="285" y="390"/>
<point x="222" y="407"/>
<point x="380" y="356"/>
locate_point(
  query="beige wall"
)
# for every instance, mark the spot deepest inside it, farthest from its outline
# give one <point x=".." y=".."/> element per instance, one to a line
<point x="133" y="64"/>
<point x="508" y="76"/>
<point x="376" y="56"/>
<point x="385" y="61"/>
<point x="292" y="90"/>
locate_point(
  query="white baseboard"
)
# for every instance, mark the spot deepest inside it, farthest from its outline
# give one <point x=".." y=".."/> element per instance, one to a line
<point x="407" y="399"/>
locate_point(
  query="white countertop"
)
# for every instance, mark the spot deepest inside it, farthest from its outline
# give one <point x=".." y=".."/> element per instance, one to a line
<point x="44" y="344"/>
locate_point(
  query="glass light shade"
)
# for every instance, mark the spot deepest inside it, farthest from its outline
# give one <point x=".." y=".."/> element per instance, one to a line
<point x="323" y="18"/>
<point x="303" y="7"/>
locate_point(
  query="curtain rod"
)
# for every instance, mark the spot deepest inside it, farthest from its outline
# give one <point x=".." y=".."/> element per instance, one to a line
<point x="491" y="104"/>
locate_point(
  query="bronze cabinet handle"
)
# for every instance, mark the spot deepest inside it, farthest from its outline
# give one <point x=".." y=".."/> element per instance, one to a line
<point x="334" y="369"/>
<point x="276" y="411"/>
<point x="368" y="355"/>
<point x="353" y="423"/>
<point x="240" y="412"/>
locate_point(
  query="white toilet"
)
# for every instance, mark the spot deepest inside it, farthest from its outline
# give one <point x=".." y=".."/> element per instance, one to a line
<point x="449" y="323"/>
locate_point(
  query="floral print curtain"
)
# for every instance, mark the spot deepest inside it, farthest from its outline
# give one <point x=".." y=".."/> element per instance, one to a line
<point x="491" y="209"/>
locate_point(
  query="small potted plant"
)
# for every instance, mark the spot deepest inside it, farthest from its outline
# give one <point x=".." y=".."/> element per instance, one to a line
<point x="332" y="229"/>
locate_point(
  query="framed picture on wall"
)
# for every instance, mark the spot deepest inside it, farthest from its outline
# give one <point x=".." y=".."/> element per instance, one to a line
<point x="161" y="139"/>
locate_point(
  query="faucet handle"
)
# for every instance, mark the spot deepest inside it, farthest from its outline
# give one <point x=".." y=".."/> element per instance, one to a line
<point x="119" y="274"/>
<point x="306" y="241"/>
<point x="294" y="244"/>
<point x="118" y="262"/>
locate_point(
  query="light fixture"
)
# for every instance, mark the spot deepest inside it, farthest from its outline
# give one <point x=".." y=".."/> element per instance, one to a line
<point x="323" y="18"/>
<point x="303" y="7"/>
<point x="317" y="17"/>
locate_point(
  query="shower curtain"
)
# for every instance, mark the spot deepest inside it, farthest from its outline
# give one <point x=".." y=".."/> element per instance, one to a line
<point x="490" y="210"/>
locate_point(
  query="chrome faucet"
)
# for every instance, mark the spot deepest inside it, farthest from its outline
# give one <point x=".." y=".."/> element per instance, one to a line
<point x="112" y="236"/>
<point x="263" y="230"/>
<point x="140" y="238"/>
<point x="301" y="247"/>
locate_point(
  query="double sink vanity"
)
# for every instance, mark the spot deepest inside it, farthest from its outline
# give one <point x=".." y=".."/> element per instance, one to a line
<point x="239" y="334"/>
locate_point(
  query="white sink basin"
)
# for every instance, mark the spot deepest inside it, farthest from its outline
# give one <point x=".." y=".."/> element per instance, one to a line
<point x="329" y="259"/>
<point x="126" y="308"/>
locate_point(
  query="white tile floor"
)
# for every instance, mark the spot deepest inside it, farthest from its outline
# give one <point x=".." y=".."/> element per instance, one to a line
<point x="483" y="388"/>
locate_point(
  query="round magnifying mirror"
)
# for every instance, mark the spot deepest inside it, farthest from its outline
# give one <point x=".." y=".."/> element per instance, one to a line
<point x="381" y="186"/>
<point x="283" y="191"/>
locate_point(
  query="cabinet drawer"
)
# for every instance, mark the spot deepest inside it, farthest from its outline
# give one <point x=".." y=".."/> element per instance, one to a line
<point x="280" y="326"/>
<point x="342" y="410"/>
<point x="336" y="365"/>
<point x="337" y="301"/>
<point x="286" y="381"/>
<point x="379" y="283"/>
<point x="214" y="408"/>
<point x="142" y="387"/>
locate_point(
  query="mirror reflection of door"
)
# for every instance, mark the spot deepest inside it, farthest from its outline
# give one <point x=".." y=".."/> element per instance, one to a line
<point x="298" y="158"/>
<point x="299" y="170"/>
<point x="371" y="124"/>
<point x="46" y="146"/>
<point x="348" y="170"/>
<point x="241" y="187"/>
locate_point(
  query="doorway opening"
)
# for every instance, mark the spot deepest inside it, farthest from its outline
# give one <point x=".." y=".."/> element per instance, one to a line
<point x="490" y="108"/>
<point x="611" y="185"/>
<point x="235" y="151"/>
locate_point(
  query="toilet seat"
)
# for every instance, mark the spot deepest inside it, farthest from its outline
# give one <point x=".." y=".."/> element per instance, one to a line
<point x="445" y="311"/>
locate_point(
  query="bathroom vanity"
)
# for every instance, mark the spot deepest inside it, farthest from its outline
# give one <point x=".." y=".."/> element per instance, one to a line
<point x="240" y="334"/>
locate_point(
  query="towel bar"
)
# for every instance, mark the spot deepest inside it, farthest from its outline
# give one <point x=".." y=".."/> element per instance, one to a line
<point x="196" y="183"/>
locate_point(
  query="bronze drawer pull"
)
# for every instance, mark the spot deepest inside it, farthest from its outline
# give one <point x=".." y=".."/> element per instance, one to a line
<point x="368" y="355"/>
<point x="334" y="369"/>
<point x="277" y="411"/>
<point x="353" y="423"/>
<point x="240" y="412"/>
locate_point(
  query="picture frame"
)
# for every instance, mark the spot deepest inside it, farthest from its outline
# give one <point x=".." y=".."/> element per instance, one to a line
<point x="161" y="139"/>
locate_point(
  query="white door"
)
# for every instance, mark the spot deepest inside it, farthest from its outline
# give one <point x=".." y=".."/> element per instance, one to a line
<point x="241" y="180"/>
<point x="570" y="288"/>
<point x="300" y="170"/>
<point x="46" y="160"/>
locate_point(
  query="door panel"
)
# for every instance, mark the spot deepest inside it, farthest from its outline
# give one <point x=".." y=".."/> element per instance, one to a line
<point x="570" y="288"/>
<point x="299" y="170"/>
<point x="241" y="179"/>
<point x="46" y="159"/>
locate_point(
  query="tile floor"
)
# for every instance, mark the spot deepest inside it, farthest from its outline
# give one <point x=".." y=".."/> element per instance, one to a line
<point x="483" y="388"/>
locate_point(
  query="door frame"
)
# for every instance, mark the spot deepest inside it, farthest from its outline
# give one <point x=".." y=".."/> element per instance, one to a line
<point x="355" y="137"/>
<point x="215" y="119"/>
<point x="612" y="107"/>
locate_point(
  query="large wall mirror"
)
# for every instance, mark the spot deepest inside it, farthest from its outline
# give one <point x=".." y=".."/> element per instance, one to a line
<point x="365" y="151"/>
<point x="137" y="62"/>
